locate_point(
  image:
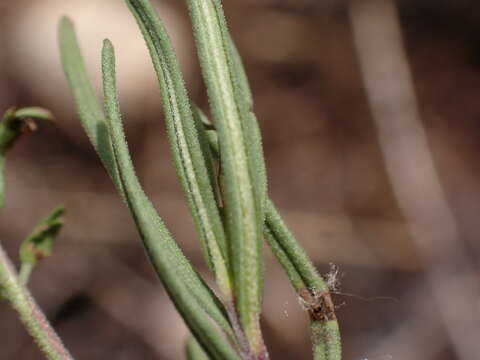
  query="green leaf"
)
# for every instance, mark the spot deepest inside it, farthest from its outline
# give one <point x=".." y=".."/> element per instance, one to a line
<point x="194" y="351"/>
<point x="201" y="122"/>
<point x="33" y="112"/>
<point x="88" y="107"/>
<point x="38" y="245"/>
<point x="188" y="293"/>
<point x="278" y="232"/>
<point x="244" y="185"/>
<point x="186" y="143"/>
<point x="161" y="248"/>
<point x="252" y="134"/>
<point x="284" y="260"/>
<point x="16" y="122"/>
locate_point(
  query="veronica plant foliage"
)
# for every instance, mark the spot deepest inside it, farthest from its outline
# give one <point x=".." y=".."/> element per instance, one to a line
<point x="230" y="208"/>
<point x="37" y="246"/>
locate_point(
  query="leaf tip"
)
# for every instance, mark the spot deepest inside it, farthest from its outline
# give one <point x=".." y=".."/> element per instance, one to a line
<point x="107" y="44"/>
<point x="65" y="21"/>
<point x="58" y="212"/>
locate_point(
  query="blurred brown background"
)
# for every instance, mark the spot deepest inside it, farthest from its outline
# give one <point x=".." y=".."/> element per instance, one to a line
<point x="359" y="191"/>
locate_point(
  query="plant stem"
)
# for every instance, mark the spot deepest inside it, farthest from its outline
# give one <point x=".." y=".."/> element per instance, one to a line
<point x="30" y="314"/>
<point x="24" y="274"/>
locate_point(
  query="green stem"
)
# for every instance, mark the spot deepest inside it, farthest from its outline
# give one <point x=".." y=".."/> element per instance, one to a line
<point x="30" y="314"/>
<point x="325" y="340"/>
<point x="25" y="272"/>
<point x="2" y="180"/>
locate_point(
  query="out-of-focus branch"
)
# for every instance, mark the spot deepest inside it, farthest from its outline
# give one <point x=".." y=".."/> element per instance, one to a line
<point x="412" y="172"/>
<point x="30" y="314"/>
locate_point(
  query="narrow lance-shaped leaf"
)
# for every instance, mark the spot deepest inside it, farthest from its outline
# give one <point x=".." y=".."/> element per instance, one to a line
<point x="243" y="189"/>
<point x="88" y="108"/>
<point x="14" y="123"/>
<point x="252" y="134"/>
<point x="250" y="126"/>
<point x="187" y="147"/>
<point x="38" y="245"/>
<point x="95" y="124"/>
<point x="153" y="231"/>
<point x="253" y="138"/>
